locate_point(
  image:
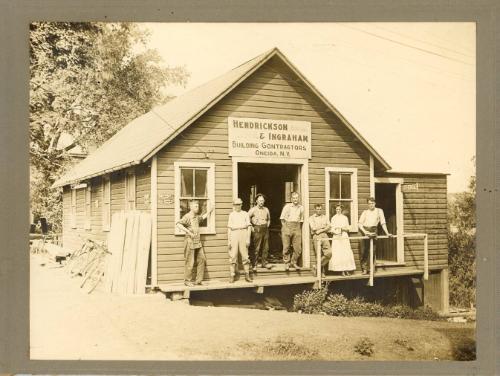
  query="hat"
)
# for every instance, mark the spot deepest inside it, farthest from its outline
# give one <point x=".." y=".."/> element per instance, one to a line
<point x="237" y="201"/>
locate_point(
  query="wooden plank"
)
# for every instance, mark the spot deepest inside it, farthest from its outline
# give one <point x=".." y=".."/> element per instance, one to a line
<point x="143" y="253"/>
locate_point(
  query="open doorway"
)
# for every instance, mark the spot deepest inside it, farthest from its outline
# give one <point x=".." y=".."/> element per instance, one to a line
<point x="389" y="199"/>
<point x="276" y="182"/>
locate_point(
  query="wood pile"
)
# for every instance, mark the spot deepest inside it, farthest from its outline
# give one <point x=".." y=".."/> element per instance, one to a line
<point x="129" y="242"/>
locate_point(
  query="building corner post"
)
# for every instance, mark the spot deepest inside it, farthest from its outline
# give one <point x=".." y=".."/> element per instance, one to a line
<point x="154" y="222"/>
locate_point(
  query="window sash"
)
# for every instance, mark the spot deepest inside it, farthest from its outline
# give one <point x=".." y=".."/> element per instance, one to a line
<point x="183" y="193"/>
<point x="106" y="203"/>
<point x="88" y="207"/>
<point x="73" y="208"/>
<point x="130" y="191"/>
<point x="337" y="190"/>
<point x="335" y="175"/>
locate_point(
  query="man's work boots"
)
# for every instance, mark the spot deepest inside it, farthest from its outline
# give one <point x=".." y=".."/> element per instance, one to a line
<point x="248" y="278"/>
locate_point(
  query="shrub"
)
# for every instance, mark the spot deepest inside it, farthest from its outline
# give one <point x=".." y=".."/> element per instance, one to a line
<point x="399" y="311"/>
<point x="426" y="313"/>
<point x="316" y="301"/>
<point x="310" y="301"/>
<point x="462" y="247"/>
<point x="465" y="351"/>
<point x="364" y="346"/>
<point x="462" y="266"/>
<point x="336" y="305"/>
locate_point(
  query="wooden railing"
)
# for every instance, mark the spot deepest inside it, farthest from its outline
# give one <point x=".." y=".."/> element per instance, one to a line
<point x="370" y="279"/>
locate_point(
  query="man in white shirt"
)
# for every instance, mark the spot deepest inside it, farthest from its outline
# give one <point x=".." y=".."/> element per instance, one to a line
<point x="368" y="225"/>
<point x="238" y="237"/>
<point x="320" y="225"/>
<point x="292" y="217"/>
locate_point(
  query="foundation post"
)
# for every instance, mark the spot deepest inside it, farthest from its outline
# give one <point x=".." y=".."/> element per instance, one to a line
<point x="445" y="291"/>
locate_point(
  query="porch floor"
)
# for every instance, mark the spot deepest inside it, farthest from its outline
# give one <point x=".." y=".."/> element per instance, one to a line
<point x="269" y="280"/>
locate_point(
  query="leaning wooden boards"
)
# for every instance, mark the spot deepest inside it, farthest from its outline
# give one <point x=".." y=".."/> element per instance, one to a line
<point x="129" y="242"/>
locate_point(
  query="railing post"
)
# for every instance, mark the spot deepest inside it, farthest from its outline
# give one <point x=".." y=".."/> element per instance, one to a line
<point x="370" y="280"/>
<point x="318" y="262"/>
<point x="426" y="258"/>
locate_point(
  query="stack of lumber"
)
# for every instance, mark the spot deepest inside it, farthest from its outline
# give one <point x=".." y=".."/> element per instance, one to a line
<point x="129" y="242"/>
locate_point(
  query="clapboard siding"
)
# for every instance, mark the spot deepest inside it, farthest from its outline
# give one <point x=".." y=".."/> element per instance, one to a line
<point x="425" y="211"/>
<point x="73" y="238"/>
<point x="143" y="187"/>
<point x="271" y="92"/>
<point x="117" y="191"/>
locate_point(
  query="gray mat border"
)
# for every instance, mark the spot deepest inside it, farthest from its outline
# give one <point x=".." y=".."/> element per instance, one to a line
<point x="14" y="263"/>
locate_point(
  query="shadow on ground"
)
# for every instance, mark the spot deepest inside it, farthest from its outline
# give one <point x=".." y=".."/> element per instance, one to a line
<point x="462" y="341"/>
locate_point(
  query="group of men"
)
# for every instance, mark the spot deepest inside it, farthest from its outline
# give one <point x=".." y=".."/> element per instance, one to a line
<point x="244" y="229"/>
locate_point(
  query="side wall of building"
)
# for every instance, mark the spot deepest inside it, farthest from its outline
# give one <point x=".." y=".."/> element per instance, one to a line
<point x="425" y="211"/>
<point x="73" y="238"/>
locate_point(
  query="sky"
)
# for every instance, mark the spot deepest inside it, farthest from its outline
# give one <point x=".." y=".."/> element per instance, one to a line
<point x="408" y="88"/>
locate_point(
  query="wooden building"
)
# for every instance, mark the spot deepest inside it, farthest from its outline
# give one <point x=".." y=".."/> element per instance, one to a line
<point x="260" y="127"/>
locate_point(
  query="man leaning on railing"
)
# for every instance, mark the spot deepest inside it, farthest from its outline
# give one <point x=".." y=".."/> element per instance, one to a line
<point x="368" y="223"/>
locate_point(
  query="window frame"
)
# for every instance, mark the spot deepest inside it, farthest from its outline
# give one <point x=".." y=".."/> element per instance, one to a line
<point x="73" y="202"/>
<point x="87" y="208"/>
<point x="106" y="203"/>
<point x="130" y="198"/>
<point x="210" y="167"/>
<point x="354" y="193"/>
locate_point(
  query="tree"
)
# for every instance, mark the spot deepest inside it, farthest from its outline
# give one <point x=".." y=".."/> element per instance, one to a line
<point x="87" y="80"/>
<point x="462" y="246"/>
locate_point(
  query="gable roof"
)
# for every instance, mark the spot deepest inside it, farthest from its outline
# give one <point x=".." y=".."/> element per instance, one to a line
<point x="143" y="137"/>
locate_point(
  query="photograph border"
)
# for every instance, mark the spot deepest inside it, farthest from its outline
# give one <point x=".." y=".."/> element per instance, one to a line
<point x="15" y="17"/>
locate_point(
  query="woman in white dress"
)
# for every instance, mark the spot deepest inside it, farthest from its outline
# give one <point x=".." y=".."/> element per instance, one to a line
<point x="342" y="258"/>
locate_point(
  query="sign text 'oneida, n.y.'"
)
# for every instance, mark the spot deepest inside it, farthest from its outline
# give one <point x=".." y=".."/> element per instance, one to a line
<point x="252" y="137"/>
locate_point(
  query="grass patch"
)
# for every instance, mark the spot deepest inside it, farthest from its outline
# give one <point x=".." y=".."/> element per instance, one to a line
<point x="288" y="349"/>
<point x="364" y="347"/>
<point x="404" y="343"/>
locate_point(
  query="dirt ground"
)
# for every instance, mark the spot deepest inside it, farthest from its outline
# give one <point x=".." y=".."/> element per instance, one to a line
<point x="66" y="323"/>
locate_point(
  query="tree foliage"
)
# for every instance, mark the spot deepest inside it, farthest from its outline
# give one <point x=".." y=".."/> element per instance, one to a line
<point x="462" y="247"/>
<point x="87" y="80"/>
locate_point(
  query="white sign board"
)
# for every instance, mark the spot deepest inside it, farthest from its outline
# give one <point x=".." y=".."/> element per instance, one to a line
<point x="267" y="138"/>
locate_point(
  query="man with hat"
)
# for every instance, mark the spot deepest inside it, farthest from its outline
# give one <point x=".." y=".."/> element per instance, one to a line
<point x="238" y="238"/>
<point x="260" y="218"/>
<point x="368" y="225"/>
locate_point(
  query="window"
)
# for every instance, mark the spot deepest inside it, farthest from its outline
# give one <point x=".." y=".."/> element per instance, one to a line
<point x="106" y="203"/>
<point x="130" y="190"/>
<point x="88" y="207"/>
<point x="195" y="181"/>
<point x="341" y="187"/>
<point x="73" y="208"/>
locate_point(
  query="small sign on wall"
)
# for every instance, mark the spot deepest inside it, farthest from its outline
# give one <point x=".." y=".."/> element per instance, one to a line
<point x="409" y="187"/>
<point x="167" y="198"/>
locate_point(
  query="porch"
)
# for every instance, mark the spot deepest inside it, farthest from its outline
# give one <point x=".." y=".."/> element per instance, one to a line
<point x="265" y="278"/>
<point x="178" y="289"/>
